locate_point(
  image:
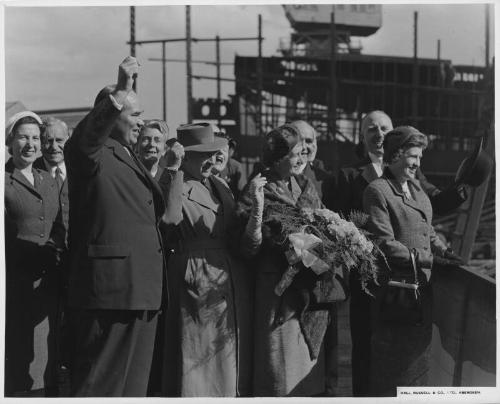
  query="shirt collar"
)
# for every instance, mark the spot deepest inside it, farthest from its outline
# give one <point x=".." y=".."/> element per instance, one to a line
<point x="375" y="159"/>
<point x="52" y="169"/>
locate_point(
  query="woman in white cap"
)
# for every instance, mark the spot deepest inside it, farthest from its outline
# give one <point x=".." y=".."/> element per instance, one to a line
<point x="208" y="329"/>
<point x="33" y="235"/>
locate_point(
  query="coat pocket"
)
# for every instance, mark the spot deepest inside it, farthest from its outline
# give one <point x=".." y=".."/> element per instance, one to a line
<point x="108" y="251"/>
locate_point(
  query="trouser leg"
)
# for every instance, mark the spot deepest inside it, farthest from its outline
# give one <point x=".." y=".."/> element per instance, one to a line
<point x="113" y="352"/>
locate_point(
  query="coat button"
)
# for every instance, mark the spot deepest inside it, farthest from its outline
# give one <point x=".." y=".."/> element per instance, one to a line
<point x="40" y="201"/>
<point x="42" y="235"/>
<point x="41" y="218"/>
<point x="150" y="202"/>
<point x="426" y="248"/>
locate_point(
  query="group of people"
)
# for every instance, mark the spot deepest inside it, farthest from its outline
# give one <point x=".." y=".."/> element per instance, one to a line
<point x="140" y="262"/>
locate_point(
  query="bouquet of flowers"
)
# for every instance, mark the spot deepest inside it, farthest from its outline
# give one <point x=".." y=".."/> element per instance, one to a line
<point x="322" y="240"/>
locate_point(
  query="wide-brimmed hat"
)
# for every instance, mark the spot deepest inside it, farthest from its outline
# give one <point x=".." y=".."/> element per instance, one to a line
<point x="199" y="137"/>
<point x="476" y="168"/>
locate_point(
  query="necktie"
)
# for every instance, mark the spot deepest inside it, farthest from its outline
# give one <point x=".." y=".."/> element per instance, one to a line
<point x="59" y="178"/>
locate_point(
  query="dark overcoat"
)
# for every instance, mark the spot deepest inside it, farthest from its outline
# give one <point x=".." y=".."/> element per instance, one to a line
<point x="116" y="255"/>
<point x="31" y="220"/>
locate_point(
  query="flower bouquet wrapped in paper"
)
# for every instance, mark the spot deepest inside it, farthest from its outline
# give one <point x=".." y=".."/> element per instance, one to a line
<point x="321" y="240"/>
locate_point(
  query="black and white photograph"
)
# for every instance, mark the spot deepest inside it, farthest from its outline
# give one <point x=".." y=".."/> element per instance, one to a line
<point x="251" y="200"/>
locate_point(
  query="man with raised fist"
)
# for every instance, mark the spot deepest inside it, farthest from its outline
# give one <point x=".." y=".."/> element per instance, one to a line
<point x="116" y="269"/>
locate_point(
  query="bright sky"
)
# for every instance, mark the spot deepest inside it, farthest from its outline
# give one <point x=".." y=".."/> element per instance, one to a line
<point x="59" y="57"/>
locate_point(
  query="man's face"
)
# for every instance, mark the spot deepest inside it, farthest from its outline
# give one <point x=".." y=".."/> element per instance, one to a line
<point x="199" y="164"/>
<point x="129" y="122"/>
<point x="310" y="143"/>
<point x="406" y="166"/>
<point x="53" y="143"/>
<point x="373" y="129"/>
<point x="151" y="145"/>
<point x="25" y="145"/>
<point x="221" y="158"/>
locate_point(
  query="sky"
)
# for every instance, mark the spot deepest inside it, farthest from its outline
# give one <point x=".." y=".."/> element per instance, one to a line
<point x="59" y="57"/>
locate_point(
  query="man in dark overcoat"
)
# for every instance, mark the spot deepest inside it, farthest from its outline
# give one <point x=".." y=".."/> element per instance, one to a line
<point x="117" y="276"/>
<point x="348" y="196"/>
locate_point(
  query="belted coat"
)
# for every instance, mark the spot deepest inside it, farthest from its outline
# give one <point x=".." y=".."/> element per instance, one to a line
<point x="208" y="321"/>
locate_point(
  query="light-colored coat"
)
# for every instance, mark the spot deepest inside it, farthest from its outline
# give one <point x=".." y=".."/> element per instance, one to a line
<point x="209" y="295"/>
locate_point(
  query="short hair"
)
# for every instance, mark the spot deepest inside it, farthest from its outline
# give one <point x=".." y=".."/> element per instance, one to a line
<point x="157" y="124"/>
<point x="414" y="140"/>
<point x="278" y="143"/>
<point x="22" y="121"/>
<point x="303" y="126"/>
<point x="52" y="121"/>
<point x="375" y="111"/>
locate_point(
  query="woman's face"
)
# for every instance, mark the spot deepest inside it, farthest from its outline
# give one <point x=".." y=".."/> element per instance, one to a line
<point x="405" y="168"/>
<point x="199" y="164"/>
<point x="25" y="145"/>
<point x="293" y="162"/>
<point x="221" y="158"/>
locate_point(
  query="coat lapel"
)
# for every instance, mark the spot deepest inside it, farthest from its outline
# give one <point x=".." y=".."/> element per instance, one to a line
<point x="18" y="177"/>
<point x="227" y="200"/>
<point x="278" y="190"/>
<point x="199" y="194"/>
<point x="412" y="203"/>
<point x="121" y="154"/>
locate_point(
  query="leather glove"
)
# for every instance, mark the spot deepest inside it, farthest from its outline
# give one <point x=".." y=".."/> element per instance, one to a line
<point x="449" y="258"/>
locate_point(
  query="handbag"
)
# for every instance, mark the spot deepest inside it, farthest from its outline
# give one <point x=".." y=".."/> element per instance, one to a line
<point x="401" y="302"/>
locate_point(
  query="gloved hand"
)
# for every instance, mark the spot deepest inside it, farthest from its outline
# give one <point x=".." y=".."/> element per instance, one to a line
<point x="452" y="258"/>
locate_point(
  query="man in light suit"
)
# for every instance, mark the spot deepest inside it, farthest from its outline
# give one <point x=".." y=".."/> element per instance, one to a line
<point x="117" y="274"/>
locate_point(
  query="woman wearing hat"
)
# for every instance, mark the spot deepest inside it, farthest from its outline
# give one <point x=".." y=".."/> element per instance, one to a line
<point x="207" y="327"/>
<point x="288" y="331"/>
<point x="400" y="217"/>
<point x="33" y="235"/>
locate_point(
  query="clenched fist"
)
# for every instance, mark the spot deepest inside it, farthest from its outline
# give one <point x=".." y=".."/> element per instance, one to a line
<point x="127" y="73"/>
<point x="174" y="156"/>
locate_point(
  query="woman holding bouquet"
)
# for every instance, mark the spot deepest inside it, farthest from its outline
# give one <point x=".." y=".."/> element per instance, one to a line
<point x="400" y="218"/>
<point x="289" y="329"/>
